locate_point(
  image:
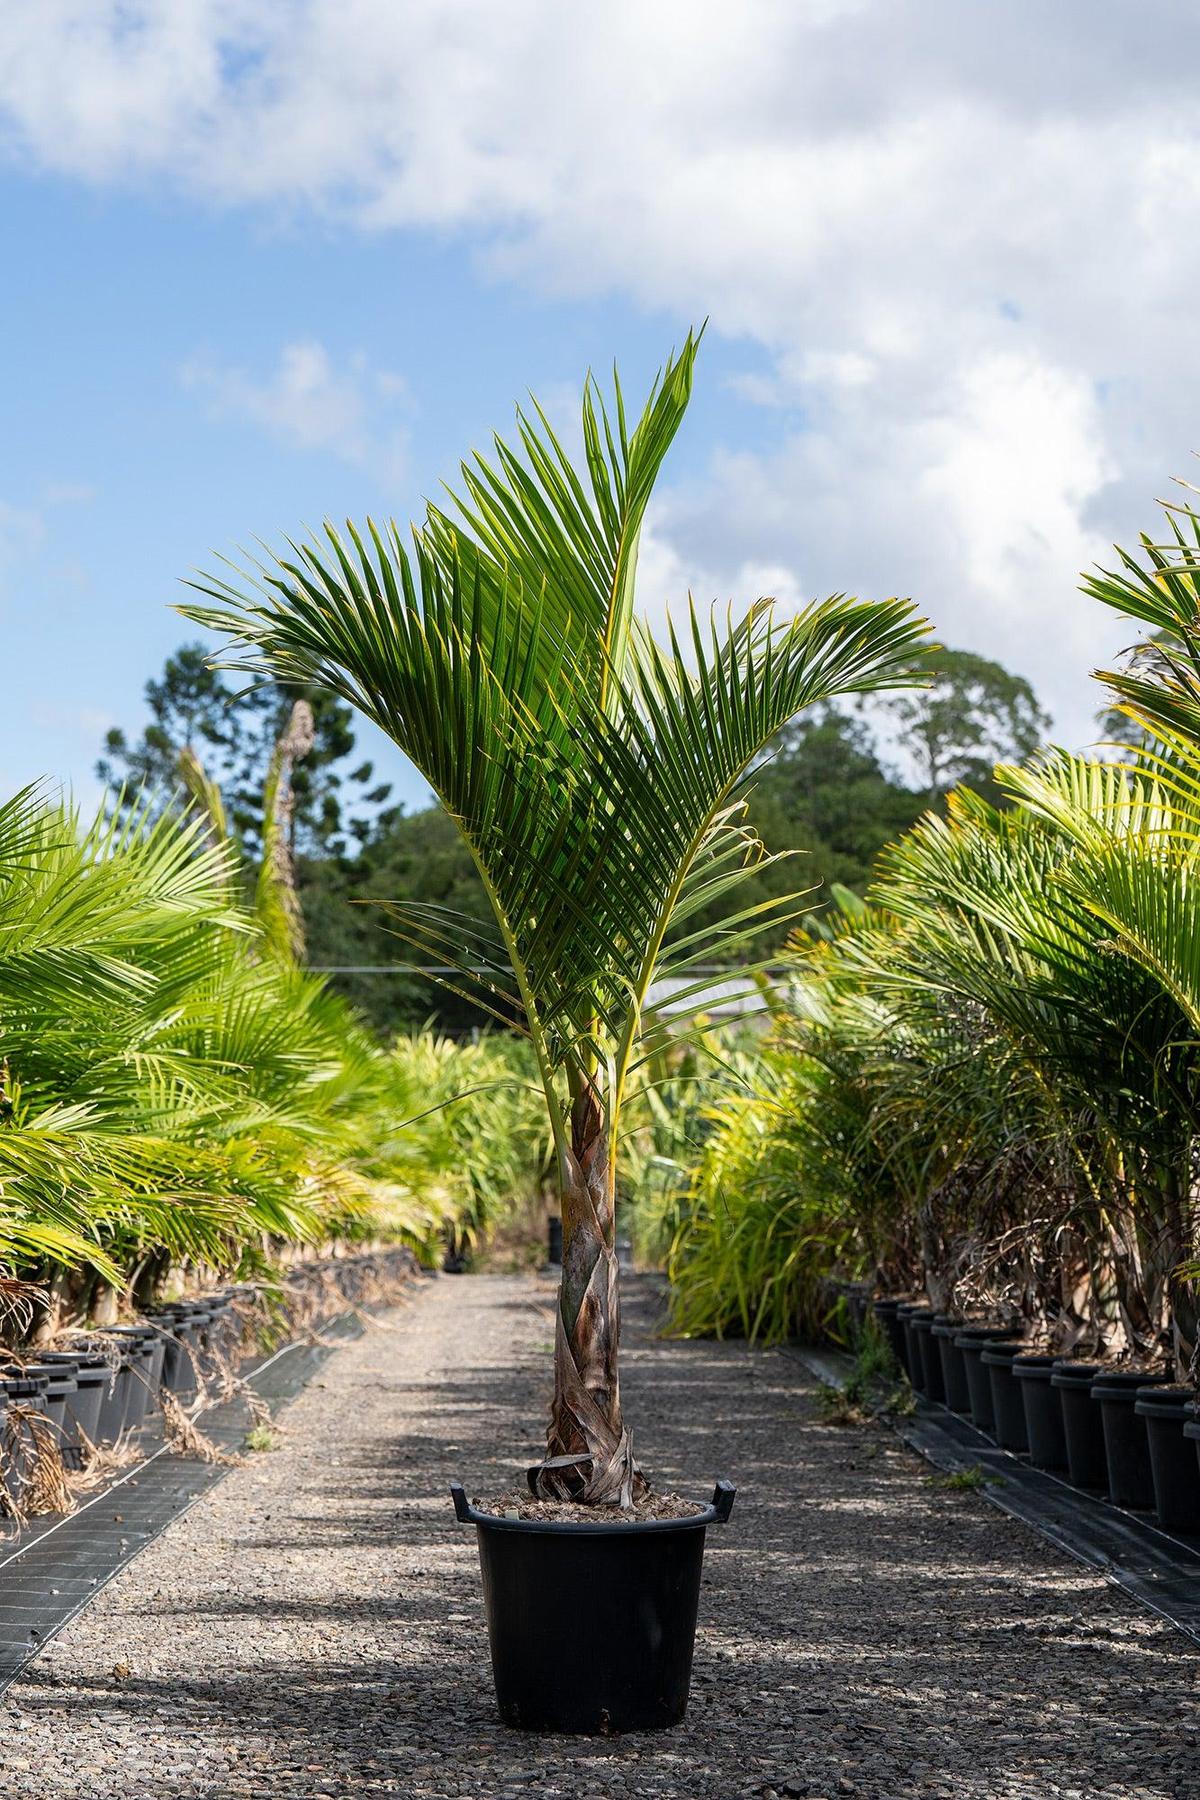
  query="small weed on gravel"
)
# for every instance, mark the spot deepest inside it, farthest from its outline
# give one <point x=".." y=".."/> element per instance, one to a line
<point x="262" y="1437"/>
<point x="964" y="1481"/>
<point x="874" y="1387"/>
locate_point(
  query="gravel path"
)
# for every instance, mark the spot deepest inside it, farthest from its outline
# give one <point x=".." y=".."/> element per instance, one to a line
<point x="314" y="1625"/>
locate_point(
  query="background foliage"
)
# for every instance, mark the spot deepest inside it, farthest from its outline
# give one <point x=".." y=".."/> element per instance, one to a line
<point x="174" y="1097"/>
<point x="983" y="1084"/>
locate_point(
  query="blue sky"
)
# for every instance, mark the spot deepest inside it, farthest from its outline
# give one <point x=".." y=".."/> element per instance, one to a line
<point x="134" y="455"/>
<point x="267" y="263"/>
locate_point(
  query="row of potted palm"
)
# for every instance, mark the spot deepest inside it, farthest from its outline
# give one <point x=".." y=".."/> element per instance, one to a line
<point x="983" y="1082"/>
<point x="1128" y="1432"/>
<point x="176" y="1094"/>
<point x="71" y="1405"/>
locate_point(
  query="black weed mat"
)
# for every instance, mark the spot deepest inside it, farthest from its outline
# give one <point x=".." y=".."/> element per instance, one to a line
<point x="51" y="1569"/>
<point x="1156" y="1568"/>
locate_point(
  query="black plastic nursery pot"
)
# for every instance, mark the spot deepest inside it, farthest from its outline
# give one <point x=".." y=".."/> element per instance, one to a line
<point x="885" y="1313"/>
<point x="114" y="1402"/>
<point x="137" y="1359"/>
<point x="630" y="1668"/>
<point x="1191" y="1431"/>
<point x="58" y="1392"/>
<point x="954" y="1368"/>
<point x="144" y="1347"/>
<point x="82" y="1424"/>
<point x="1043" y="1411"/>
<point x="1008" y="1406"/>
<point x="28" y="1393"/>
<point x="972" y="1341"/>
<point x="205" y="1334"/>
<point x="1165" y="1411"/>
<point x="857" y="1298"/>
<point x="933" y="1385"/>
<point x="179" y="1351"/>
<point x="1126" y="1446"/>
<point x="53" y="1387"/>
<point x="217" y="1322"/>
<point x="1083" y="1429"/>
<point x="908" y="1313"/>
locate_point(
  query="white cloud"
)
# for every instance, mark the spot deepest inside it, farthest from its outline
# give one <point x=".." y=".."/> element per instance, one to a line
<point x="85" y="723"/>
<point x="965" y="237"/>
<point x="25" y="529"/>
<point x="308" y="403"/>
<point x="22" y="533"/>
<point x="68" y="493"/>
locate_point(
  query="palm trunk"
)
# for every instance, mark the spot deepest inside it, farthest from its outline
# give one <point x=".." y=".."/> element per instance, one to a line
<point x="589" y="1457"/>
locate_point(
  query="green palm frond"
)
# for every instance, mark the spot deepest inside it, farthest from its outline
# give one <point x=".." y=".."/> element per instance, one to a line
<point x="591" y="771"/>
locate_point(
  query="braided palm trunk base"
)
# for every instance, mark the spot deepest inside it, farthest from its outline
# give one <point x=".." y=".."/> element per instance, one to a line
<point x="589" y="1456"/>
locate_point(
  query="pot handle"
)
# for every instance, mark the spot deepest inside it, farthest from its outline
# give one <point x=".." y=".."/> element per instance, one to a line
<point x="723" y="1497"/>
<point x="462" y="1506"/>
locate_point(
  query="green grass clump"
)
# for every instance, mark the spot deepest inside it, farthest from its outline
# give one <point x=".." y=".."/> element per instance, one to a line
<point x="873" y="1388"/>
<point x="964" y="1481"/>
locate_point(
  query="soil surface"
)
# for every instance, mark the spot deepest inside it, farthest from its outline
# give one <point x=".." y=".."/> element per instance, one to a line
<point x="518" y="1505"/>
<point x="314" y="1625"/>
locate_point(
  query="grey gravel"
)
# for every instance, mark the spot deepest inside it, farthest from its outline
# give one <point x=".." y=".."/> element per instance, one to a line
<point x="314" y="1625"/>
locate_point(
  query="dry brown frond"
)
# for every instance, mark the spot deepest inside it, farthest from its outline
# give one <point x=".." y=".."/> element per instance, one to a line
<point x="31" y="1448"/>
<point x="102" y="1463"/>
<point x="186" y="1439"/>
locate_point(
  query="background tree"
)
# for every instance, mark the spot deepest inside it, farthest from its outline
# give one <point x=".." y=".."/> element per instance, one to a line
<point x="823" y="790"/>
<point x="233" y="734"/>
<point x="974" y="714"/>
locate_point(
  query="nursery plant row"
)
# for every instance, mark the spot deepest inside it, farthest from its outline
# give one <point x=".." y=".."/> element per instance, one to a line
<point x="75" y="1409"/>
<point x="982" y="1082"/>
<point x="1130" y="1433"/>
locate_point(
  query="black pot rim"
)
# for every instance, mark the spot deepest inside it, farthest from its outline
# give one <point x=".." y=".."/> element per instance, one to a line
<point x="1034" y="1366"/>
<point x="1148" y="1408"/>
<point x="51" y="1375"/>
<point x="1117" y="1384"/>
<point x="715" y="1513"/>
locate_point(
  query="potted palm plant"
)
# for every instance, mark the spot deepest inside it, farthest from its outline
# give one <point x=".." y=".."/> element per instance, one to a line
<point x="594" y="771"/>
